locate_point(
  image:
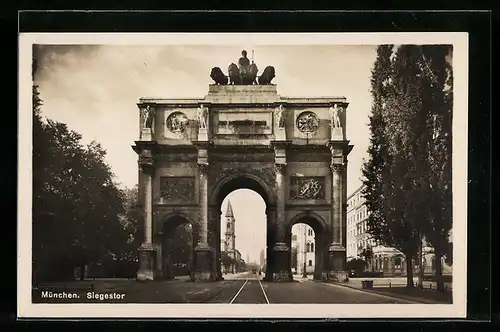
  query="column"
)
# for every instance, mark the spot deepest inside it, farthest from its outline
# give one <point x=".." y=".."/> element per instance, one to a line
<point x="214" y="238"/>
<point x="204" y="254"/>
<point x="270" y="242"/>
<point x="337" y="204"/>
<point x="148" y="208"/>
<point x="146" y="250"/>
<point x="203" y="209"/>
<point x="336" y="250"/>
<point x="391" y="265"/>
<point x="281" y="251"/>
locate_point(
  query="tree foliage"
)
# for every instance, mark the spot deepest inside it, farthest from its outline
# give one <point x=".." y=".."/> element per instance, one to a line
<point x="356" y="265"/>
<point x="408" y="175"/>
<point x="182" y="245"/>
<point x="133" y="222"/>
<point x="76" y="204"/>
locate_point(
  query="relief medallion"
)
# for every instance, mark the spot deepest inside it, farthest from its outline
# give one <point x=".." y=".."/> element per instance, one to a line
<point x="307" y="122"/>
<point x="177" y="122"/>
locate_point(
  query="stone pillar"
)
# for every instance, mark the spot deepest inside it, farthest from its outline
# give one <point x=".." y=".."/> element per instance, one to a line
<point x="214" y="216"/>
<point x="270" y="241"/>
<point x="281" y="251"/>
<point x="147" y="255"/>
<point x="336" y="250"/>
<point x="158" y="268"/>
<point x="318" y="256"/>
<point x="204" y="254"/>
<point x="168" y="268"/>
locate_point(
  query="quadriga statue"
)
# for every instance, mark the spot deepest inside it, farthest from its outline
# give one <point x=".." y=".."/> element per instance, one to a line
<point x="243" y="73"/>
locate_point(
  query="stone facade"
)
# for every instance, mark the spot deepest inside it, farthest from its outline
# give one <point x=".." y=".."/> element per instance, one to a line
<point x="304" y="242"/>
<point x="282" y="148"/>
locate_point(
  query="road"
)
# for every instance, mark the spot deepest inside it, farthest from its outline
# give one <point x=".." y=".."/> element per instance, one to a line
<point x="246" y="288"/>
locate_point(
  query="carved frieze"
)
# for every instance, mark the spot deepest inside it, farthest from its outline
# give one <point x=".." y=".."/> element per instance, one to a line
<point x="307" y="122"/>
<point x="178" y="188"/>
<point x="311" y="187"/>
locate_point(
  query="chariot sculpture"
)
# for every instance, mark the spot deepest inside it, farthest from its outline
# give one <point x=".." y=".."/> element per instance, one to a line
<point x="243" y="73"/>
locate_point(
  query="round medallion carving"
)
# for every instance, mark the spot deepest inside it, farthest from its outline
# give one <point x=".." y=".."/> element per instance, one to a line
<point x="307" y="122"/>
<point x="177" y="122"/>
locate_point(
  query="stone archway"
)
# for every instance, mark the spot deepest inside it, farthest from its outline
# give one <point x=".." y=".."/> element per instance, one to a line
<point x="225" y="186"/>
<point x="321" y="239"/>
<point x="166" y="240"/>
<point x="195" y="151"/>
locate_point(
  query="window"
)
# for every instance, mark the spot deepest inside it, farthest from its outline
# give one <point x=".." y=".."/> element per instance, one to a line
<point x="312" y="247"/>
<point x="310" y="263"/>
<point x="308" y="247"/>
<point x="310" y="232"/>
<point x="228" y="225"/>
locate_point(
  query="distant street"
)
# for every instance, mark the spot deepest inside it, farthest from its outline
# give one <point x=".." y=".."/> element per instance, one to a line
<point x="245" y="288"/>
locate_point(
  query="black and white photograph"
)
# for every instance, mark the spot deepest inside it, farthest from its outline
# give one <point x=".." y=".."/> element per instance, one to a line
<point x="243" y="175"/>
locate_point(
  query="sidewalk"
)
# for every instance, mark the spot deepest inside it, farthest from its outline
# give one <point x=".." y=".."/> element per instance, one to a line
<point x="396" y="287"/>
<point x="395" y="282"/>
<point x="231" y="276"/>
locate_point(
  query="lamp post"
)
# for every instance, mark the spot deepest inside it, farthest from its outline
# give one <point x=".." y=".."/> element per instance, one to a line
<point x="304" y="272"/>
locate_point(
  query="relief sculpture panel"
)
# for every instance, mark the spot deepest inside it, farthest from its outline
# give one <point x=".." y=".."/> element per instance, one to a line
<point x="311" y="187"/>
<point x="178" y="189"/>
<point x="239" y="122"/>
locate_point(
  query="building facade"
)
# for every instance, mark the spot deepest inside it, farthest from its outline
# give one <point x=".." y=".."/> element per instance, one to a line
<point x="303" y="243"/>
<point x="384" y="259"/>
<point x="262" y="258"/>
<point x="229" y="243"/>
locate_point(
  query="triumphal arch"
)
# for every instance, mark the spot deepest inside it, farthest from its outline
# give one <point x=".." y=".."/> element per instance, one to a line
<point x="243" y="134"/>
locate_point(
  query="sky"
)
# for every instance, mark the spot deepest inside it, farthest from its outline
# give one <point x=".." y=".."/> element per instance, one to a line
<point x="94" y="89"/>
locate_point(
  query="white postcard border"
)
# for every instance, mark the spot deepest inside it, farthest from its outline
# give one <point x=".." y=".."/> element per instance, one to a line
<point x="26" y="309"/>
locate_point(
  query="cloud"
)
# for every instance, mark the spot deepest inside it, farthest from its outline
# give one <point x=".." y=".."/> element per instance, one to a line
<point x="95" y="88"/>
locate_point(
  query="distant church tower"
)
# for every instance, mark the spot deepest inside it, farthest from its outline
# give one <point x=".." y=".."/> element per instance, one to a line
<point x="230" y="246"/>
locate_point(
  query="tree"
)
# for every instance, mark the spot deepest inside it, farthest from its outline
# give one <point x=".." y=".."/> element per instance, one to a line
<point x="357" y="265"/>
<point x="367" y="255"/>
<point x="437" y="101"/>
<point x="133" y="223"/>
<point x="52" y="226"/>
<point x="76" y="204"/>
<point x="408" y="175"/>
<point x="373" y="168"/>
<point x="182" y="245"/>
<point x="449" y="255"/>
<point x="228" y="261"/>
<point x="388" y="172"/>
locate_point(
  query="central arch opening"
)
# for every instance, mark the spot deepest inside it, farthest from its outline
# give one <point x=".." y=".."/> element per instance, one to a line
<point x="241" y="204"/>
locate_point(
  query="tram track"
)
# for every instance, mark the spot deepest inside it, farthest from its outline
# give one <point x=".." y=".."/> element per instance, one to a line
<point x="248" y="293"/>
